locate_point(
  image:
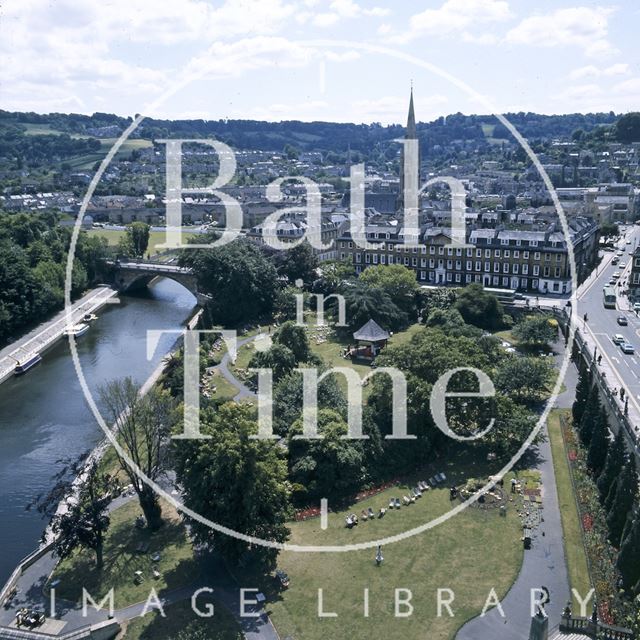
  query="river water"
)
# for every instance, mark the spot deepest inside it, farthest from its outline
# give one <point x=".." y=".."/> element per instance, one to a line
<point x="44" y="416"/>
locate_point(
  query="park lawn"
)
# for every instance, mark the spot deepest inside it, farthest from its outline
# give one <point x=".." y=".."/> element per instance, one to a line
<point x="471" y="553"/>
<point x="579" y="578"/>
<point x="224" y="390"/>
<point x="177" y="565"/>
<point x="181" y="623"/>
<point x="155" y="237"/>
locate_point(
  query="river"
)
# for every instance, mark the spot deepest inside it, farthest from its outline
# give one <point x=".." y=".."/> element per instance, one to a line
<point x="44" y="416"/>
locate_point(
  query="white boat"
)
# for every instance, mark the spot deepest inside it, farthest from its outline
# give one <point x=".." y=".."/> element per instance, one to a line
<point x="76" y="330"/>
<point x="22" y="366"/>
<point x="89" y="317"/>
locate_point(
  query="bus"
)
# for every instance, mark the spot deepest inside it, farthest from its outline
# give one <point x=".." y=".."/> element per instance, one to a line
<point x="609" y="298"/>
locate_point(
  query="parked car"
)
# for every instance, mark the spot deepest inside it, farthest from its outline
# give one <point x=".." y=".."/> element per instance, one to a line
<point x="627" y="348"/>
<point x="616" y="275"/>
<point x="636" y="306"/>
<point x="614" y="260"/>
<point x="622" y="321"/>
<point x="618" y="339"/>
<point x="623" y="265"/>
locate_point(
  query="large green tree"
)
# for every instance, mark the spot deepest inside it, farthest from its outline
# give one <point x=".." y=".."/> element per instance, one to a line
<point x="364" y="303"/>
<point x="138" y="238"/>
<point x="235" y="481"/>
<point x="536" y="330"/>
<point x="295" y="338"/>
<point x="590" y="416"/>
<point x="298" y="263"/>
<point x="599" y="445"/>
<point x="628" y="562"/>
<point x="583" y="390"/>
<point x="627" y="128"/>
<point x="526" y="379"/>
<point x="240" y="281"/>
<point x="397" y="281"/>
<point x="144" y="424"/>
<point x="616" y="455"/>
<point x="479" y="307"/>
<point x="625" y="493"/>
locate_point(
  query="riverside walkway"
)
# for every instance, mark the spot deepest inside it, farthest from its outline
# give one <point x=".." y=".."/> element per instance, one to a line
<point x="48" y="333"/>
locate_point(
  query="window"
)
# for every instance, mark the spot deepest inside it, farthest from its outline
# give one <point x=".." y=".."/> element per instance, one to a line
<point x="441" y="251"/>
<point x="449" y="264"/>
<point x="525" y="269"/>
<point x="556" y="286"/>
<point x="559" y="257"/>
<point x="414" y="262"/>
<point x="523" y="283"/>
<point x="505" y="282"/>
<point x="469" y="253"/>
<point x="367" y="258"/>
<point x="431" y="276"/>
<point x="423" y="275"/>
<point x="534" y="284"/>
<point x="449" y="277"/>
<point x="458" y="265"/>
<point x="390" y="259"/>
<point x="458" y="277"/>
<point x="342" y="245"/>
<point x="547" y="257"/>
<point x="518" y="243"/>
<point x="505" y="267"/>
<point x="497" y="253"/>
<point x="478" y="265"/>
<point x="358" y="257"/>
<point x="516" y="254"/>
<point x="406" y="262"/>
<point x="351" y="245"/>
<point x="342" y="256"/>
<point x="487" y="253"/>
<point x="557" y="272"/>
<point x="533" y="243"/>
<point x="525" y="255"/>
<point x="479" y="254"/>
<point x="536" y="255"/>
<point x="449" y="251"/>
<point x="432" y="263"/>
<point x="383" y="259"/>
<point x="423" y="262"/>
<point x="536" y="270"/>
<point x="467" y="278"/>
<point x="516" y="268"/>
<point x="469" y="265"/>
<point x="636" y="278"/>
<point x="496" y="281"/>
<point x="487" y="266"/>
<point x="423" y="250"/>
<point x="507" y="253"/>
<point x="458" y="252"/>
<point x="504" y="241"/>
<point x="375" y="258"/>
<point x="496" y="267"/>
<point x="546" y="272"/>
<point x="432" y="250"/>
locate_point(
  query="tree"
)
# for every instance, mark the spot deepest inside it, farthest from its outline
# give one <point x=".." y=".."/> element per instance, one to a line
<point x="298" y="263"/>
<point x="613" y="465"/>
<point x="597" y="454"/>
<point x="628" y="561"/>
<point x="329" y="466"/>
<point x="364" y="303"/>
<point x="525" y="379"/>
<point x="143" y="425"/>
<point x="236" y="481"/>
<point x="397" y="281"/>
<point x="536" y="330"/>
<point x="590" y="416"/>
<point x="583" y="389"/>
<point x="480" y="308"/>
<point x="138" y="238"/>
<point x="279" y="359"/>
<point x="627" y="128"/>
<point x="440" y="298"/>
<point x="333" y="274"/>
<point x="295" y="338"/>
<point x="625" y="492"/>
<point x="84" y="520"/>
<point x="609" y="229"/>
<point x="241" y="282"/>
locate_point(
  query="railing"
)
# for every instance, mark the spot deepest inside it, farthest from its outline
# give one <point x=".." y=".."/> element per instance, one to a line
<point x="595" y="630"/>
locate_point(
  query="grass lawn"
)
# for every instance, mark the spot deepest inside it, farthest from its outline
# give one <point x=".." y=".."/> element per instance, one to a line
<point x="224" y="390"/>
<point x="470" y="554"/>
<point x="571" y="527"/>
<point x="181" y="623"/>
<point x="177" y="565"/>
<point x="155" y="237"/>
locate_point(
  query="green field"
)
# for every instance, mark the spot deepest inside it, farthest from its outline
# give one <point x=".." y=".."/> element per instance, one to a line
<point x="471" y="553"/>
<point x="571" y="527"/>
<point x="155" y="237"/>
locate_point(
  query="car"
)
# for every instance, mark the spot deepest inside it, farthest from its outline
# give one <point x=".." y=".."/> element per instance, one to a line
<point x="616" y="275"/>
<point x="623" y="265"/>
<point x="636" y="306"/>
<point x="627" y="348"/>
<point x="612" y="281"/>
<point x="614" y="260"/>
<point x="628" y="241"/>
<point x="619" y="253"/>
<point x="618" y="339"/>
<point x="622" y="321"/>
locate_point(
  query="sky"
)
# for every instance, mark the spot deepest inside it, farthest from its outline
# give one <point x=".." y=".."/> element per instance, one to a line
<point x="332" y="60"/>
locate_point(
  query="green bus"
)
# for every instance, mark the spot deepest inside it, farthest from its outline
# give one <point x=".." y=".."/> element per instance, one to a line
<point x="609" y="298"/>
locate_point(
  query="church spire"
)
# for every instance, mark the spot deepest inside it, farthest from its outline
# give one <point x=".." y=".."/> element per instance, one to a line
<point x="411" y="119"/>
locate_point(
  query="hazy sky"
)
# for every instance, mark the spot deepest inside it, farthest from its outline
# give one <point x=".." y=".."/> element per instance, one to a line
<point x="261" y="59"/>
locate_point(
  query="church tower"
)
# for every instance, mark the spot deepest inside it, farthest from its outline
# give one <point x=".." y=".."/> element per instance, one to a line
<point x="409" y="172"/>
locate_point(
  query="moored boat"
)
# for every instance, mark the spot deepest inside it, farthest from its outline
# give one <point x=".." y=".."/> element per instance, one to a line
<point x="22" y="366"/>
<point x="76" y="330"/>
<point x="89" y="317"/>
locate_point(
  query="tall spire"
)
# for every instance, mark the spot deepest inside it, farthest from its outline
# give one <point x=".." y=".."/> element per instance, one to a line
<point x="411" y="119"/>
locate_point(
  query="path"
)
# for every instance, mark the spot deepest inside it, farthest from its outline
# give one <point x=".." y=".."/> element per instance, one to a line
<point x="227" y="374"/>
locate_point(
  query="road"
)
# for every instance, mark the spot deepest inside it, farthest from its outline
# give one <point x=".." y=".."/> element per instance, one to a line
<point x="622" y="370"/>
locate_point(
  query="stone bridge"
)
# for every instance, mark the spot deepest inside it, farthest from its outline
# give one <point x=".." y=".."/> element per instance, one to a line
<point x="132" y="275"/>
